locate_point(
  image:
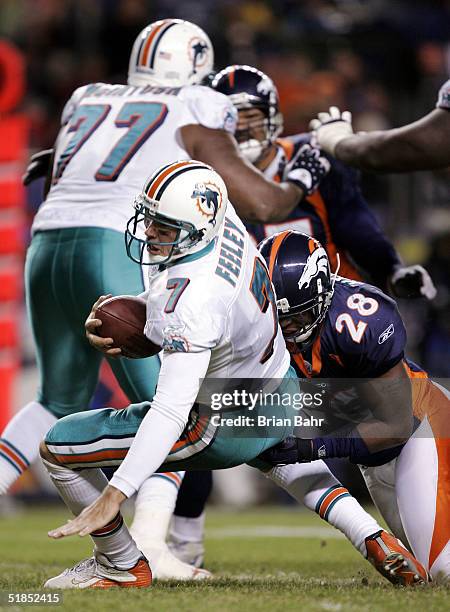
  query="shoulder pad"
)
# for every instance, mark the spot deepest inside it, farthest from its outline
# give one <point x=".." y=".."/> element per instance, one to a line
<point x="210" y="108"/>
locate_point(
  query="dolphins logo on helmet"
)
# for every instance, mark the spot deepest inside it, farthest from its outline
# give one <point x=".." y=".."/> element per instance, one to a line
<point x="186" y="196"/>
<point x="199" y="52"/>
<point x="209" y="200"/>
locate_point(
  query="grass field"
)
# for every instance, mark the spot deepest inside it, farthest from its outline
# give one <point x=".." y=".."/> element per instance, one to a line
<point x="277" y="560"/>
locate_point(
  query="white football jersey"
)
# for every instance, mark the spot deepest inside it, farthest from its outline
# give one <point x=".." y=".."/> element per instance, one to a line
<point x="112" y="138"/>
<point x="222" y="301"/>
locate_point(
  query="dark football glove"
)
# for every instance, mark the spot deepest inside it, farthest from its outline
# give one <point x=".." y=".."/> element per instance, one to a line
<point x="290" y="450"/>
<point x="307" y="169"/>
<point x="412" y="282"/>
<point x="38" y="166"/>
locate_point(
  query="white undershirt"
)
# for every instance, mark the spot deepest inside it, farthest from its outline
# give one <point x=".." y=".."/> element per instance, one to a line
<point x="178" y="385"/>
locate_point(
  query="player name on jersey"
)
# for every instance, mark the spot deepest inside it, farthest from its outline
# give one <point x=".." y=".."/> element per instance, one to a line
<point x="100" y="89"/>
<point x="231" y="253"/>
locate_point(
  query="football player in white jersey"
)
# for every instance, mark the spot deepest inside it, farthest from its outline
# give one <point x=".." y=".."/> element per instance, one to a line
<point x="209" y="289"/>
<point x="111" y="136"/>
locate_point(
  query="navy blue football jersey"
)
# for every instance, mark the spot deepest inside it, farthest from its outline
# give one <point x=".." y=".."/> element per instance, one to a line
<point x="362" y="336"/>
<point x="338" y="216"/>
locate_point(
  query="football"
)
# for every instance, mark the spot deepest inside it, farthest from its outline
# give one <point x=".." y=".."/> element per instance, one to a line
<point x="123" y="319"/>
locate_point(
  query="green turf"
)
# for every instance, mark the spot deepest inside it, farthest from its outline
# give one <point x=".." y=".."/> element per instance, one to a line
<point x="252" y="573"/>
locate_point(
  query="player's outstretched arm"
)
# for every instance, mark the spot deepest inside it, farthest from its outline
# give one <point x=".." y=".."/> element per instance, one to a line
<point x="91" y="326"/>
<point x="389" y="399"/>
<point x="255" y="197"/>
<point x="422" y="145"/>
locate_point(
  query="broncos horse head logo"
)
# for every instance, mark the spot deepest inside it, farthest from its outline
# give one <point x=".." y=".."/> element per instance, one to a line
<point x="317" y="262"/>
<point x="208" y="200"/>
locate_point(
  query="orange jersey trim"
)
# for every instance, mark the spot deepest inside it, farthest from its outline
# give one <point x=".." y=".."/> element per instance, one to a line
<point x="346" y="269"/>
<point x="316" y="365"/>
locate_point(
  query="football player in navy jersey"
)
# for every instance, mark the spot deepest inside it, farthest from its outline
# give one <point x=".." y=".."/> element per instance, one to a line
<point x="336" y="213"/>
<point x="337" y="328"/>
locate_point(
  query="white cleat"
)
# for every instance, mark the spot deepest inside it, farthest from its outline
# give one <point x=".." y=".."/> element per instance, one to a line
<point x="165" y="566"/>
<point x="97" y="573"/>
<point x="149" y="530"/>
<point x="192" y="553"/>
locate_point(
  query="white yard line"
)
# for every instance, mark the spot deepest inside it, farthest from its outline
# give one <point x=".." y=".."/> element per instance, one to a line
<point x="274" y="531"/>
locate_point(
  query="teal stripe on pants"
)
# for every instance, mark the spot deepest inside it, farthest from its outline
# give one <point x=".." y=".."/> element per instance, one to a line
<point x="66" y="271"/>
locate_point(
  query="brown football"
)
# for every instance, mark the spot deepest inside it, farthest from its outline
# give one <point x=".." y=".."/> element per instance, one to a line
<point x="123" y="319"/>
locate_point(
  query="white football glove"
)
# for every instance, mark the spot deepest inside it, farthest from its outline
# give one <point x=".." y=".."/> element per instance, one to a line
<point x="332" y="127"/>
<point x="412" y="282"/>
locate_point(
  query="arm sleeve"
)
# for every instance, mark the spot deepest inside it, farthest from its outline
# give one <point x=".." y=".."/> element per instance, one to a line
<point x="178" y="385"/>
<point x="355" y="228"/>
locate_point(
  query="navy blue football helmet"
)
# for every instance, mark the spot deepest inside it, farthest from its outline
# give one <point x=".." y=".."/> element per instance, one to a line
<point x="300" y="273"/>
<point x="249" y="88"/>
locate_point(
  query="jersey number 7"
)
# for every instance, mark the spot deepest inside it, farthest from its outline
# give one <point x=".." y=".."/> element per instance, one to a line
<point x="262" y="290"/>
<point x="141" y="119"/>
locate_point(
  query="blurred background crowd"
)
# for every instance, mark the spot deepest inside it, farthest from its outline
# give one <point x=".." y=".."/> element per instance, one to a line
<point x="384" y="60"/>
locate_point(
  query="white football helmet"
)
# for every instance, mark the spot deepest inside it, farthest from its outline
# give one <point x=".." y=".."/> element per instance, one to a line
<point x="170" y="53"/>
<point x="188" y="196"/>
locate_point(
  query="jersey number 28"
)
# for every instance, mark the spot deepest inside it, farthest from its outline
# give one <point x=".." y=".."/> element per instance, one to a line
<point x="365" y="306"/>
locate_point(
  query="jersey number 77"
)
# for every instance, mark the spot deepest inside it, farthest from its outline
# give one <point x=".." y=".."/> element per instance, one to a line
<point x="141" y="119"/>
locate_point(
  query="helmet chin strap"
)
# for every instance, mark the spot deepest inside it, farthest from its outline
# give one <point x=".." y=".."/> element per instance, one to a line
<point x="338" y="265"/>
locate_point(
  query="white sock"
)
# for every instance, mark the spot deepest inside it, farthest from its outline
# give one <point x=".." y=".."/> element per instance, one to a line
<point x="19" y="442"/>
<point x="187" y="529"/>
<point x="79" y="490"/>
<point x="154" y="505"/>
<point x="160" y="490"/>
<point x="314" y="485"/>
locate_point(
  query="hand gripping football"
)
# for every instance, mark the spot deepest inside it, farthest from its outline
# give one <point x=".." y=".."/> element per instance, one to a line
<point x="123" y="319"/>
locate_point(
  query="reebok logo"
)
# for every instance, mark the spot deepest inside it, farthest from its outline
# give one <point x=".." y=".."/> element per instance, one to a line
<point x="386" y="334"/>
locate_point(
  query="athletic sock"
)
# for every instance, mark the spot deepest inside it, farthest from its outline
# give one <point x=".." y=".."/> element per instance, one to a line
<point x="186" y="529"/>
<point x="154" y="505"/>
<point x="79" y="490"/>
<point x="19" y="442"/>
<point x="339" y="508"/>
<point x="316" y="487"/>
<point x="194" y="493"/>
<point x="160" y="490"/>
